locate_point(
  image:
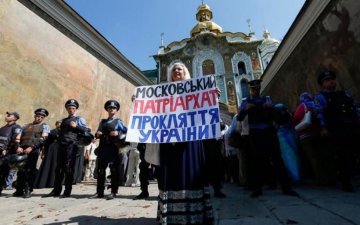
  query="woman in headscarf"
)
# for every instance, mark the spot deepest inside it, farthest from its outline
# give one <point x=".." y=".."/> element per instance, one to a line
<point x="315" y="153"/>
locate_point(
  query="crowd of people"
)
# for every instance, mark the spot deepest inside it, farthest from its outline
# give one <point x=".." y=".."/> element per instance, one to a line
<point x="315" y="144"/>
<point x="264" y="145"/>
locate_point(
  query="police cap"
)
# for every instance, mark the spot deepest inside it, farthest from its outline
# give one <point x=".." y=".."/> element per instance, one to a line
<point x="41" y="111"/>
<point x="72" y="102"/>
<point x="14" y="113"/>
<point x="112" y="103"/>
<point x="255" y="83"/>
<point x="327" y="74"/>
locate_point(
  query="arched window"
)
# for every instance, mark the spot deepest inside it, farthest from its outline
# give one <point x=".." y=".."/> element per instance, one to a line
<point x="241" y="68"/>
<point x="244" y="88"/>
<point x="208" y="67"/>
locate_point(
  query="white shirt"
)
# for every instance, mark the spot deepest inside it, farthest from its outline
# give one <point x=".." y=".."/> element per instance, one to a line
<point x="91" y="147"/>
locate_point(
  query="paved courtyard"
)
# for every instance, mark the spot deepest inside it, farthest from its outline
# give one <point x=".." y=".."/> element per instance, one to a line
<point x="321" y="206"/>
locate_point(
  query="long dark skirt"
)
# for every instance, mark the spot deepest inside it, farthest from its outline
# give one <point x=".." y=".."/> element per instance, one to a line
<point x="46" y="175"/>
<point x="184" y="196"/>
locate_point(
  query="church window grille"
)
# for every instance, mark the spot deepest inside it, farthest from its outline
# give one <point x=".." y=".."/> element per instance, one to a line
<point x="208" y="67"/>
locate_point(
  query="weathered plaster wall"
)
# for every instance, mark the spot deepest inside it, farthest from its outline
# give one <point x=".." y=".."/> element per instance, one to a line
<point x="41" y="67"/>
<point x="332" y="42"/>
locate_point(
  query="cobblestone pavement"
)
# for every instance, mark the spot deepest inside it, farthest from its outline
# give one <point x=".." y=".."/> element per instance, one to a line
<point x="322" y="206"/>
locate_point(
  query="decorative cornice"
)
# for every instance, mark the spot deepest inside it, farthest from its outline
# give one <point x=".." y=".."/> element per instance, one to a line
<point x="69" y="19"/>
<point x="302" y="24"/>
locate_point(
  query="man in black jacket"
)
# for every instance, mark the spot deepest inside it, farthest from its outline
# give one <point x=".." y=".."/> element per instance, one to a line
<point x="111" y="132"/>
<point x="70" y="129"/>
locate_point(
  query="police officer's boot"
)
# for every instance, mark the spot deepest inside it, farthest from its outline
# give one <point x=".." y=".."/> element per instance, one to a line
<point x="19" y="192"/>
<point x="67" y="193"/>
<point x="111" y="196"/>
<point x="142" y="195"/>
<point x="27" y="192"/>
<point x="53" y="193"/>
<point x="97" y="195"/>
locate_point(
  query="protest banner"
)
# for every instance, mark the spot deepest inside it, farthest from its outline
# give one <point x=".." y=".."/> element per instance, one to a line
<point x="175" y="112"/>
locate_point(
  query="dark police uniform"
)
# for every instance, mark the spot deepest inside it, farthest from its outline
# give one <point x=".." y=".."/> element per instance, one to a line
<point x="264" y="143"/>
<point x="108" y="151"/>
<point x="8" y="135"/>
<point x="31" y="136"/>
<point x="68" y="149"/>
<point x="337" y="112"/>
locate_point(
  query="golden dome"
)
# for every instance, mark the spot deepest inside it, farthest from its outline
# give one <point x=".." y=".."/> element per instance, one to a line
<point x="204" y="16"/>
<point x="203" y="8"/>
<point x="206" y="26"/>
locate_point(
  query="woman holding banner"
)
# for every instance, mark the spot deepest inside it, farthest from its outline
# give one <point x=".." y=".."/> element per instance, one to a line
<point x="184" y="196"/>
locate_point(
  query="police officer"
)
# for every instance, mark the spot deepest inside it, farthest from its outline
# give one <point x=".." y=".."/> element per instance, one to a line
<point x="340" y="124"/>
<point x="263" y="141"/>
<point x="70" y="129"/>
<point x="32" y="140"/>
<point x="9" y="142"/>
<point x="111" y="132"/>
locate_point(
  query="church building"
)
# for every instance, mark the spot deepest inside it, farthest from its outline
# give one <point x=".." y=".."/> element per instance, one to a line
<point x="234" y="58"/>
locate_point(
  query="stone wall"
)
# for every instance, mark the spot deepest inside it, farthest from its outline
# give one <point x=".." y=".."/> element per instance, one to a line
<point x="41" y="67"/>
<point x="332" y="42"/>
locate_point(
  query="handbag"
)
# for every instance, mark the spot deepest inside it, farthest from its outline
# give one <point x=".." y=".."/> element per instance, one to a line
<point x="305" y="122"/>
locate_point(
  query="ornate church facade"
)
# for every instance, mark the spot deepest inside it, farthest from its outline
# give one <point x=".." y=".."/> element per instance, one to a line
<point x="233" y="58"/>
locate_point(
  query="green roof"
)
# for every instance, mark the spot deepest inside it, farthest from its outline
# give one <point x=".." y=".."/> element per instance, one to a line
<point x="150" y="73"/>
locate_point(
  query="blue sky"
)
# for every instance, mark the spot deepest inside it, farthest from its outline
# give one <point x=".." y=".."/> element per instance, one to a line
<point x="134" y="26"/>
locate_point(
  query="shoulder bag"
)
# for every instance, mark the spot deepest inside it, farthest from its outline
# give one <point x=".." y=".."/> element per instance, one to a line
<point x="306" y="120"/>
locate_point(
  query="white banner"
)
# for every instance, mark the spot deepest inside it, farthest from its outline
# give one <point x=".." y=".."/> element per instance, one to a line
<point x="175" y="112"/>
